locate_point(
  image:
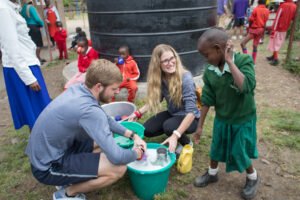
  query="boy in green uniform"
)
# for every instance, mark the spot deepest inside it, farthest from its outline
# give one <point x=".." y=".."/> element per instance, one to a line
<point x="229" y="86"/>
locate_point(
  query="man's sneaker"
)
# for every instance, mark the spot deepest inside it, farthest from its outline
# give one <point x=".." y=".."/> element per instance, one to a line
<point x="61" y="195"/>
<point x="274" y="62"/>
<point x="204" y="180"/>
<point x="270" y="58"/>
<point x="250" y="188"/>
<point x="234" y="37"/>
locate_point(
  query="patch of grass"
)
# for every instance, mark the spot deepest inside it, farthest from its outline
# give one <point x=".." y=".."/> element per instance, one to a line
<point x="14" y="165"/>
<point x="293" y="66"/>
<point x="71" y="54"/>
<point x="281" y="127"/>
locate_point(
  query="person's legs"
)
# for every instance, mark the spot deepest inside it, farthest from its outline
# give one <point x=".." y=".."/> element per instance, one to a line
<point x="38" y="52"/>
<point x="244" y="43"/>
<point x="154" y="125"/>
<point x="53" y="41"/>
<point x="60" y="49"/>
<point x="254" y="53"/>
<point x="107" y="175"/>
<point x="173" y="123"/>
<point x="65" y="51"/>
<point x="132" y="89"/>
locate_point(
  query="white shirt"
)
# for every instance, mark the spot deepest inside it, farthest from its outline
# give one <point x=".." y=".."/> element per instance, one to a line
<point x="18" y="50"/>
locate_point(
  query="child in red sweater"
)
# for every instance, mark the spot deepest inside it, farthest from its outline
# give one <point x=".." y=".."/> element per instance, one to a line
<point x="86" y="55"/>
<point x="257" y="21"/>
<point x="284" y="15"/>
<point x="130" y="72"/>
<point x="60" y="38"/>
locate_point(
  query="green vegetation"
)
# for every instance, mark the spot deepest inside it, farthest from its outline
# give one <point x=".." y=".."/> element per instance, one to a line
<point x="279" y="128"/>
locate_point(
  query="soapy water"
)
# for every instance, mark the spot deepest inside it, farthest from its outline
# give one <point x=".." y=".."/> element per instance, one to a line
<point x="150" y="161"/>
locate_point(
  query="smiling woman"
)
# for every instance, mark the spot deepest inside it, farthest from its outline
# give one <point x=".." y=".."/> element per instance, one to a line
<point x="168" y="79"/>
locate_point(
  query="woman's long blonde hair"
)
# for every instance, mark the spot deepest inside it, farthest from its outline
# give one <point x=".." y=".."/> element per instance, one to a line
<point x="156" y="75"/>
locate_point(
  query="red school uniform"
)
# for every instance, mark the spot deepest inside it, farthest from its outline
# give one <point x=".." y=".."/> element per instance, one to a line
<point x="258" y="20"/>
<point x="60" y="38"/>
<point x="52" y="18"/>
<point x="84" y="60"/>
<point x="131" y="73"/>
<point x="259" y="17"/>
<point x="284" y="15"/>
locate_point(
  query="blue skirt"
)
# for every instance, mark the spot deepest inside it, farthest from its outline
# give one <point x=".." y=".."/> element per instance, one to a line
<point x="25" y="104"/>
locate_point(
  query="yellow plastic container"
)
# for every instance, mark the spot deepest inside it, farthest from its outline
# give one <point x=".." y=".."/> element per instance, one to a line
<point x="185" y="161"/>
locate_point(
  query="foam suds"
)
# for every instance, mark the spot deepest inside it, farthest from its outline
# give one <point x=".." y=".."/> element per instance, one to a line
<point x="149" y="162"/>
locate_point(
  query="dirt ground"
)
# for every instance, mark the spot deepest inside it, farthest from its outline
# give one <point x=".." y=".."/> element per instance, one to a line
<point x="276" y="88"/>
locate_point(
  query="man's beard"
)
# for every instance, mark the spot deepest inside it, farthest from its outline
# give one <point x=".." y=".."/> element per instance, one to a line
<point x="103" y="98"/>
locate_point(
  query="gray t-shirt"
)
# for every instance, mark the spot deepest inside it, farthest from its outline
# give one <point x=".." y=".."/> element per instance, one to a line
<point x="189" y="97"/>
<point x="73" y="116"/>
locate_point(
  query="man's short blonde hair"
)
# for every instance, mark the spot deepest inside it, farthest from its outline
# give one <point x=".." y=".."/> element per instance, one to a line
<point x="102" y="71"/>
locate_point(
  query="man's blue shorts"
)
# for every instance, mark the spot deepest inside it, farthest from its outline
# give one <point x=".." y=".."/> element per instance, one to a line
<point x="78" y="164"/>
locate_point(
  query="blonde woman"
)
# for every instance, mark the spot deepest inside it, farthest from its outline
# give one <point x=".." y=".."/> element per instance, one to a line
<point x="168" y="79"/>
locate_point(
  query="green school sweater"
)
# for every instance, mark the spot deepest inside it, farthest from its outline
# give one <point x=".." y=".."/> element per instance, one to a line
<point x="232" y="105"/>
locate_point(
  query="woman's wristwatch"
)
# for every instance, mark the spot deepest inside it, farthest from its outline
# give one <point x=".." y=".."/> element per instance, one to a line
<point x="177" y="133"/>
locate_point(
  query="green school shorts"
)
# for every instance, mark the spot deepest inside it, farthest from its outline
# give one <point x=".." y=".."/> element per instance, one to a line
<point x="234" y="144"/>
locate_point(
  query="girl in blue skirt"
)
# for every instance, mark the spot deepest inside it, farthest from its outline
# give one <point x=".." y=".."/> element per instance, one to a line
<point x="25" y="86"/>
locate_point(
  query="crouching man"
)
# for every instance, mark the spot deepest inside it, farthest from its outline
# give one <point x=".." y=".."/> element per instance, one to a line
<point x="71" y="143"/>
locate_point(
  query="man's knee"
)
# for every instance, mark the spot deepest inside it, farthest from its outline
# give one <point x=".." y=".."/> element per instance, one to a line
<point x="118" y="172"/>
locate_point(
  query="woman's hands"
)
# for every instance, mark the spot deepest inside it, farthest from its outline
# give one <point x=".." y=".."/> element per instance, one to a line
<point x="172" y="141"/>
<point x="35" y="86"/>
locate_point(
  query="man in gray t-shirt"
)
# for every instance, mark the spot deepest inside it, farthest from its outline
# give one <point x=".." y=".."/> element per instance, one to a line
<point x="71" y="143"/>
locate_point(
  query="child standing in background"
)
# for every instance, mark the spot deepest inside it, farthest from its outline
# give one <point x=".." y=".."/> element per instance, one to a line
<point x="229" y="83"/>
<point x="130" y="72"/>
<point x="239" y="12"/>
<point x="257" y="23"/>
<point x="60" y="38"/>
<point x="86" y="55"/>
<point x="284" y="16"/>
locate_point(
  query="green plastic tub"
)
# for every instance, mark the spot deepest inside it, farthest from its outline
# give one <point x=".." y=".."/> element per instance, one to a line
<point x="146" y="184"/>
<point x="126" y="142"/>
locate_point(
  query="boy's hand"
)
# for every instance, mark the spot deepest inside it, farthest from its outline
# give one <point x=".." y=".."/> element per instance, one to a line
<point x="197" y="135"/>
<point x="115" y="60"/>
<point x="272" y="34"/>
<point x="229" y="51"/>
<point x="132" y="118"/>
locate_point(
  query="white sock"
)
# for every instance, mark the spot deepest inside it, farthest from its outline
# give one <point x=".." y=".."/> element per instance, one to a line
<point x="252" y="176"/>
<point x="212" y="172"/>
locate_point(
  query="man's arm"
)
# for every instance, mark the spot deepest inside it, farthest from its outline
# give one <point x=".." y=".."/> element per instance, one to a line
<point x="95" y="123"/>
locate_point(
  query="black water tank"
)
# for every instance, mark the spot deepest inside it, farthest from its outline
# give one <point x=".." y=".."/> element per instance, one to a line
<point x="142" y="24"/>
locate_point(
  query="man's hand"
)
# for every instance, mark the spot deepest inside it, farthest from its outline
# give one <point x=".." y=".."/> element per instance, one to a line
<point x="139" y="152"/>
<point x="229" y="51"/>
<point x="35" y="86"/>
<point x="139" y="142"/>
<point x="197" y="135"/>
<point x="172" y="140"/>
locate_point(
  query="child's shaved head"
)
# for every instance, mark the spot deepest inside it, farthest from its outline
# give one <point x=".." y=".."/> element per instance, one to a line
<point x="212" y="37"/>
<point x="212" y="44"/>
